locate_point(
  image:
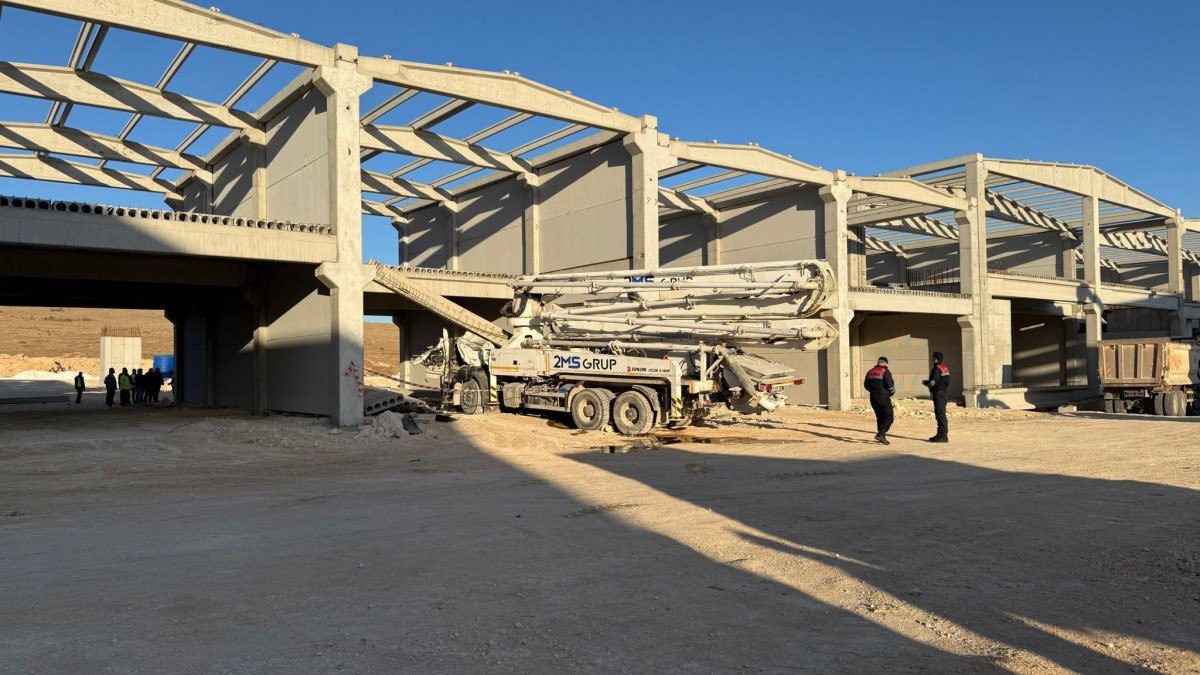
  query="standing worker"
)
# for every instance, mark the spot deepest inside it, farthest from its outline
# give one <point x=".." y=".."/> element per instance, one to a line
<point x="80" y="385"/>
<point x="881" y="387"/>
<point x="125" y="384"/>
<point x="110" y="387"/>
<point x="938" y="383"/>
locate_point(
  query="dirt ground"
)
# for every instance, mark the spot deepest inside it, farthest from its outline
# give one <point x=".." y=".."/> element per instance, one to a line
<point x="183" y="541"/>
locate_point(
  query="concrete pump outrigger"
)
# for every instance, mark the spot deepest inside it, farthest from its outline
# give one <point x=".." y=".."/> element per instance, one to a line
<point x="635" y="348"/>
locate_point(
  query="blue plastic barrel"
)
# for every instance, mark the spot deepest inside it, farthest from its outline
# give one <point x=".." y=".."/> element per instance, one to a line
<point x="165" y="364"/>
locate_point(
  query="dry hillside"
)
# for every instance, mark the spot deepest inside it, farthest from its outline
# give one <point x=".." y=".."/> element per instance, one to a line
<point x="36" y="338"/>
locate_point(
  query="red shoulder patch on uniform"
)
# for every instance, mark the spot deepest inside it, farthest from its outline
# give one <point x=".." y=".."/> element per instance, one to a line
<point x="943" y="369"/>
<point x="876" y="373"/>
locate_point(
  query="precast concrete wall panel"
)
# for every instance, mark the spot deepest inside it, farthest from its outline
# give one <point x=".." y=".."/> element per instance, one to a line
<point x="1038" y="253"/>
<point x="119" y="352"/>
<point x="233" y="183"/>
<point x="234" y="322"/>
<point x="884" y="268"/>
<point x="932" y="255"/>
<point x="1039" y="348"/>
<point x="192" y="357"/>
<point x="193" y="198"/>
<point x="490" y="234"/>
<point x="1147" y="274"/>
<point x="297" y="166"/>
<point x="781" y="227"/>
<point x="429" y="238"/>
<point x="908" y="341"/>
<point x="585" y="216"/>
<point x="297" y="341"/>
<point x="682" y="241"/>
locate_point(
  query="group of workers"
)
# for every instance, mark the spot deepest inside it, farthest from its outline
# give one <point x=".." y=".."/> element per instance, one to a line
<point x="135" y="388"/>
<point x="881" y="387"/>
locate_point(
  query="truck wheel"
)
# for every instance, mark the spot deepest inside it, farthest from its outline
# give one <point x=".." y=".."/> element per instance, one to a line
<point x="1176" y="404"/>
<point x="1160" y="405"/>
<point x="472" y="395"/>
<point x="633" y="414"/>
<point x="1110" y="405"/>
<point x="590" y="409"/>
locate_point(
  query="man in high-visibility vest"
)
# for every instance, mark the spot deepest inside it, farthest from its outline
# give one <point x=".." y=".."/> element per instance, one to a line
<point x="125" y="384"/>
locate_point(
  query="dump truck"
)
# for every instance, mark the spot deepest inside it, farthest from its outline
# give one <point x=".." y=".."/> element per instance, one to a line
<point x="1152" y="375"/>
<point x="637" y="348"/>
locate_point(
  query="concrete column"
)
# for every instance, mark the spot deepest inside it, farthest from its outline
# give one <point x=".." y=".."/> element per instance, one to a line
<point x="837" y="252"/>
<point x="999" y="340"/>
<point x="256" y="296"/>
<point x="452" y="213"/>
<point x="404" y="325"/>
<point x="1069" y="263"/>
<point x="1176" y="281"/>
<point x="977" y="371"/>
<point x="401" y="226"/>
<point x="531" y="222"/>
<point x="712" y="243"/>
<point x="346" y="278"/>
<point x="648" y="148"/>
<point x="856" y="354"/>
<point x="1175" y="230"/>
<point x="258" y="152"/>
<point x="857" y="252"/>
<point x="1093" y="307"/>
<point x="1193" y="283"/>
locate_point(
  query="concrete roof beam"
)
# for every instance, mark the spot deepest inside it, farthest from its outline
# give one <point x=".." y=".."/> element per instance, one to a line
<point x="86" y="88"/>
<point x="183" y="21"/>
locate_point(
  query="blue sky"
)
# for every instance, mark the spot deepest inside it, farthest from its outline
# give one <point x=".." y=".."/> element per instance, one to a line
<point x="861" y="86"/>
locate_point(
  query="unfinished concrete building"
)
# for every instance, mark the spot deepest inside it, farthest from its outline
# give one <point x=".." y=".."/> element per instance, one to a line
<point x="1014" y="269"/>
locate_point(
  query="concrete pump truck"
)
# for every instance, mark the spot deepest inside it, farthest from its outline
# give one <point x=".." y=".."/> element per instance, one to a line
<point x="635" y="349"/>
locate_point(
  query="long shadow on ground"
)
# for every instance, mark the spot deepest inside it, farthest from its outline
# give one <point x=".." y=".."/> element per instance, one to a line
<point x="1002" y="553"/>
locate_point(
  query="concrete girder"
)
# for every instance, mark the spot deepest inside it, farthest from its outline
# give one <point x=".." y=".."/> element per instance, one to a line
<point x="68" y="141"/>
<point x="920" y="225"/>
<point x="1012" y="211"/>
<point x="868" y="212"/>
<point x="56" y="170"/>
<point x="750" y="159"/>
<point x="682" y="201"/>
<point x="934" y="167"/>
<point x="428" y="145"/>
<point x="1143" y="241"/>
<point x="399" y="187"/>
<point x="876" y="244"/>
<point x="183" y="21"/>
<point x="441" y="113"/>
<point x="374" y="208"/>
<point x="505" y="90"/>
<point x="1105" y="263"/>
<point x="1080" y="180"/>
<point x="85" y="88"/>
<point x="907" y="190"/>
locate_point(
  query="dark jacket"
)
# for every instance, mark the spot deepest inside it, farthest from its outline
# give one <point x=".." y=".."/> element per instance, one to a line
<point x="939" y="378"/>
<point x="79" y="383"/>
<point x="110" y="382"/>
<point x="879" y="382"/>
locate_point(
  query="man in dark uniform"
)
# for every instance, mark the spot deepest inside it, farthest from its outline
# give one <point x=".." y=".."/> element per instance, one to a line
<point x="881" y="387"/>
<point x="80" y="385"/>
<point x="938" y="383"/>
<point x="110" y="387"/>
